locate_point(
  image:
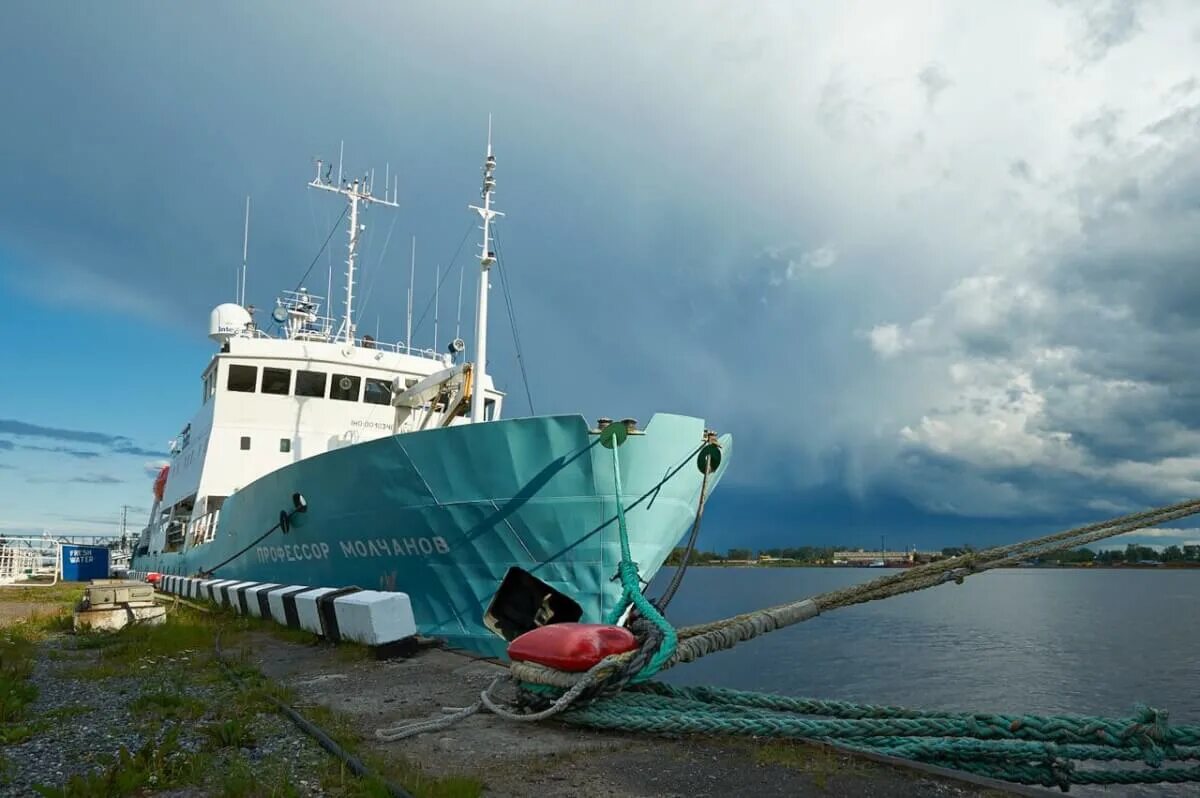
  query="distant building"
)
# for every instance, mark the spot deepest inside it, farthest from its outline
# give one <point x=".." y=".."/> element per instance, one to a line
<point x="861" y="557"/>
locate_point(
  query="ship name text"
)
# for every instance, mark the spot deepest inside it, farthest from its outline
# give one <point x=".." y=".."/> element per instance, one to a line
<point x="375" y="547"/>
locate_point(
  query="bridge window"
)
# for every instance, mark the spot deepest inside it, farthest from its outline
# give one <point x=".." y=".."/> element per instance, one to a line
<point x="242" y="378"/>
<point x="310" y="383"/>
<point x="345" y="387"/>
<point x="378" y="392"/>
<point x="277" y="381"/>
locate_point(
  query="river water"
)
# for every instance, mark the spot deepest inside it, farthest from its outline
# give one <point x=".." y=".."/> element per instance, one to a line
<point x="1012" y="641"/>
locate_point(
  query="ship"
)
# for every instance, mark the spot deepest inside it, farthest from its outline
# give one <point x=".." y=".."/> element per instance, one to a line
<point x="322" y="457"/>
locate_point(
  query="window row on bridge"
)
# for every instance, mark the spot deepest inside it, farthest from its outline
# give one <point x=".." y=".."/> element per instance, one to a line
<point x="316" y="384"/>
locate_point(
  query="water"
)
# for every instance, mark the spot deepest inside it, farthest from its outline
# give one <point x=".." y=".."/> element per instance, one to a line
<point x="1091" y="642"/>
<point x="1038" y="641"/>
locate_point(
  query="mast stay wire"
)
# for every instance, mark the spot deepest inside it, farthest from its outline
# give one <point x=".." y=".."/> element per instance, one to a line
<point x="512" y="321"/>
<point x="442" y="279"/>
<point x="378" y="264"/>
<point x="317" y="257"/>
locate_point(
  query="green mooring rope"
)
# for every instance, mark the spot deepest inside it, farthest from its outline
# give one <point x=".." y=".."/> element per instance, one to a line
<point x="631" y="583"/>
<point x="1026" y="749"/>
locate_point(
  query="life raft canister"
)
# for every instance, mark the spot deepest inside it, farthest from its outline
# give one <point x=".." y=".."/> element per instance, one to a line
<point x="571" y="647"/>
<point x="153" y="577"/>
<point x="160" y="483"/>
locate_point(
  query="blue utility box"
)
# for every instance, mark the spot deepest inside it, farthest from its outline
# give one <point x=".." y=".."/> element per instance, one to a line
<point x="84" y="563"/>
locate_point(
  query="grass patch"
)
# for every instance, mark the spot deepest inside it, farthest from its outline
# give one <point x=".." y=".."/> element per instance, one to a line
<point x="66" y="712"/>
<point x="66" y="594"/>
<point x="242" y="780"/>
<point x="167" y="705"/>
<point x="819" y="763"/>
<point x="394" y="768"/>
<point x="17" y="650"/>
<point x="143" y="646"/>
<point x="156" y="766"/>
<point x="173" y="661"/>
<point x="229" y="733"/>
<point x="14" y="733"/>
<point x="250" y="623"/>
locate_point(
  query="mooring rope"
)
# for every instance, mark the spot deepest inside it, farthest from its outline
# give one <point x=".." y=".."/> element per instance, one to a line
<point x="1029" y="749"/>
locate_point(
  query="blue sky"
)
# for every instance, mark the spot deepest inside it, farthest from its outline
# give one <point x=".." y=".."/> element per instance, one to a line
<point x="933" y="266"/>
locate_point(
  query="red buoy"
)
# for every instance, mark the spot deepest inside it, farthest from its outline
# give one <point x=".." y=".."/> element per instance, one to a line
<point x="571" y="646"/>
<point x="153" y="577"/>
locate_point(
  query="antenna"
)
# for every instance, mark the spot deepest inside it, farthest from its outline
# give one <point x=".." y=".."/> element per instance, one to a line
<point x="356" y="192"/>
<point x="245" y="250"/>
<point x="437" y="285"/>
<point x="412" y="276"/>
<point x="486" y="259"/>
<point x="458" y="319"/>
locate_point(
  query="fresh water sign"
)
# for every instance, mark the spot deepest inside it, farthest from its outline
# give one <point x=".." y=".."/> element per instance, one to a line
<point x="83" y="563"/>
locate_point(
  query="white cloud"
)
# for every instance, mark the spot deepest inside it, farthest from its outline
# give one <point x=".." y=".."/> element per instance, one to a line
<point x="888" y="340"/>
<point x="819" y="258"/>
<point x="1161" y="532"/>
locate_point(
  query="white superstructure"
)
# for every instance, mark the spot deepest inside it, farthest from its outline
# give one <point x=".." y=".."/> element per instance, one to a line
<point x="309" y="386"/>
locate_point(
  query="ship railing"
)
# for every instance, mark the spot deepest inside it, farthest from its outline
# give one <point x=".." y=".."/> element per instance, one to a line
<point x="399" y="347"/>
<point x="203" y="529"/>
<point x="30" y="562"/>
<point x="315" y="328"/>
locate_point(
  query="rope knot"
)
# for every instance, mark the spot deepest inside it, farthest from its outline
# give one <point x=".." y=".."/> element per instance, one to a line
<point x="1151" y="721"/>
<point x="1148" y="731"/>
<point x="1061" y="770"/>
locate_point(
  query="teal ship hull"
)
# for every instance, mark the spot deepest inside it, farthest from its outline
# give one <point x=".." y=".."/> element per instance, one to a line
<point x="443" y="514"/>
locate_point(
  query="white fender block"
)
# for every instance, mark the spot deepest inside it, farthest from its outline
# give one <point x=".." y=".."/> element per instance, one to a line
<point x="203" y="590"/>
<point x="255" y="596"/>
<point x="308" y="615"/>
<point x="231" y="595"/>
<point x="373" y="618"/>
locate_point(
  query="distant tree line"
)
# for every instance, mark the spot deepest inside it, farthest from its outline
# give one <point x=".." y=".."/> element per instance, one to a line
<point x="814" y="555"/>
<point x="822" y="555"/>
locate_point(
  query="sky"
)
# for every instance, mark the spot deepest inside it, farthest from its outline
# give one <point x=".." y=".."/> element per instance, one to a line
<point x="933" y="264"/>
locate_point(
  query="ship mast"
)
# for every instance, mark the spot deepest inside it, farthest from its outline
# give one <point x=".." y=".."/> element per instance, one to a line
<point x="486" y="259"/>
<point x="356" y="192"/>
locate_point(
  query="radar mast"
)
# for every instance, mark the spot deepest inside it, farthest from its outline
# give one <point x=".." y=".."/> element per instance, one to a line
<point x="486" y="258"/>
<point x="356" y="192"/>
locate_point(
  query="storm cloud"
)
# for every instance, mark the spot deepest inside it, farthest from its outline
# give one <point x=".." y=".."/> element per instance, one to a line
<point x="944" y="270"/>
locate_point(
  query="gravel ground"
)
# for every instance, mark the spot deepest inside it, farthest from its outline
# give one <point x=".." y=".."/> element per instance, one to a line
<point x="556" y="761"/>
<point x="88" y="720"/>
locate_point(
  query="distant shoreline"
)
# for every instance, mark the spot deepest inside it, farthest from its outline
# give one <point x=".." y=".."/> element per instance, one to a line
<point x="1173" y="566"/>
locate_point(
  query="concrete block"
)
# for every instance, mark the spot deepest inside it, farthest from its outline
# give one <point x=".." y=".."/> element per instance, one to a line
<point x="374" y="617"/>
<point x="215" y="589"/>
<point x="307" y="612"/>
<point x="203" y="590"/>
<point x="254" y="602"/>
<point x="234" y="593"/>
<point x="282" y="602"/>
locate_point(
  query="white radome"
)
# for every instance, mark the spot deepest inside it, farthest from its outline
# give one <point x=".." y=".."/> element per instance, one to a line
<point x="226" y="321"/>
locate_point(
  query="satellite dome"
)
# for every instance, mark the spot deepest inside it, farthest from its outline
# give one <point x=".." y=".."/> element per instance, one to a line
<point x="226" y="321"/>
